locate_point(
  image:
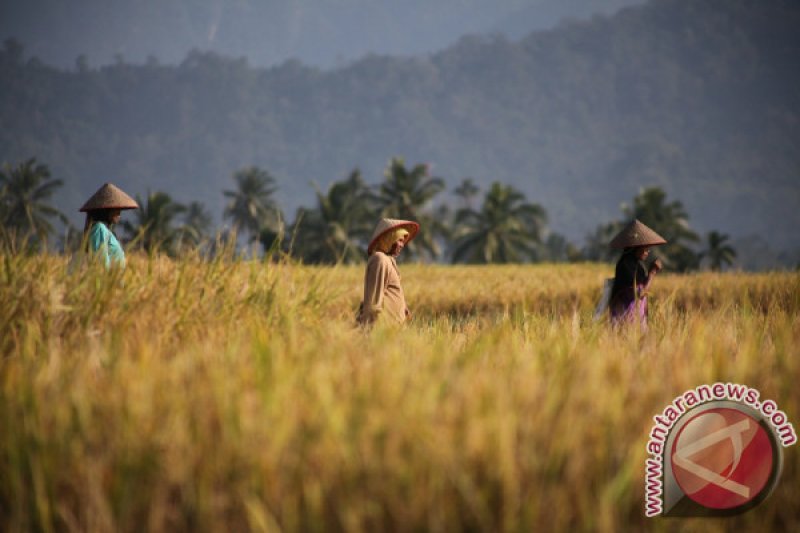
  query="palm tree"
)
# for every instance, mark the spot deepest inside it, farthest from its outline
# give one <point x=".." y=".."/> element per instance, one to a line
<point x="196" y="225"/>
<point x="153" y="228"/>
<point x="336" y="230"/>
<point x="70" y="240"/>
<point x="24" y="193"/>
<point x="251" y="206"/>
<point x="507" y="229"/>
<point x="467" y="190"/>
<point x="405" y="194"/>
<point x="670" y="220"/>
<point x="597" y="248"/>
<point x="718" y="252"/>
<point x="557" y="249"/>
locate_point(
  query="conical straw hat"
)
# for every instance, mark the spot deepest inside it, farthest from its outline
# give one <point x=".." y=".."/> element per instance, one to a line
<point x="109" y="196"/>
<point x="386" y="225"/>
<point x="636" y="234"/>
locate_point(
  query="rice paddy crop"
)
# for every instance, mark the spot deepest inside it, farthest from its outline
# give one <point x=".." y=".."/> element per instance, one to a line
<point x="238" y="396"/>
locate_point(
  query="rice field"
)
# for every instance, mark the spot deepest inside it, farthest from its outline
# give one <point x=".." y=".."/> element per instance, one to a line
<point x="238" y="396"/>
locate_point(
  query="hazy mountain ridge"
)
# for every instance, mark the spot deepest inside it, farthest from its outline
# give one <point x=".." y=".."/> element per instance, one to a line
<point x="697" y="97"/>
<point x="320" y="32"/>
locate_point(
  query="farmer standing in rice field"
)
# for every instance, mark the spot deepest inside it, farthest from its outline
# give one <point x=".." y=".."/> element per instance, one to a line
<point x="102" y="212"/>
<point x="383" y="294"/>
<point x="632" y="279"/>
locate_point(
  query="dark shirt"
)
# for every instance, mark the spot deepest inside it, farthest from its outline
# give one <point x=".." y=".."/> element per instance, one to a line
<point x="630" y="271"/>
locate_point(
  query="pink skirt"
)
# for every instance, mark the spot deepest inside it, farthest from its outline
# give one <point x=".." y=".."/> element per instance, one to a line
<point x="633" y="312"/>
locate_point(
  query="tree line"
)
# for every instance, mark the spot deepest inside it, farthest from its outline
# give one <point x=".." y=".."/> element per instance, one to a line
<point x="696" y="97"/>
<point x="496" y="225"/>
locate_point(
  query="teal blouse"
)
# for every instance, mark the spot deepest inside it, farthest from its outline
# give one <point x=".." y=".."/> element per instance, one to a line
<point x="104" y="243"/>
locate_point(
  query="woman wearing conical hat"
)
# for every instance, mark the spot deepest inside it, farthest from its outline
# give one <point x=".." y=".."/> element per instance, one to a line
<point x="102" y="212"/>
<point x="383" y="294"/>
<point x="633" y="277"/>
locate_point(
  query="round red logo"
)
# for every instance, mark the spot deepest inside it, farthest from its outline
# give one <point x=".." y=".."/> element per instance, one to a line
<point x="722" y="458"/>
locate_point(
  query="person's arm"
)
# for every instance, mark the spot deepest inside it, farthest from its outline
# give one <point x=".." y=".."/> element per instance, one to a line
<point x="655" y="268"/>
<point x="624" y="276"/>
<point x="374" y="287"/>
<point x="116" y="255"/>
<point x="98" y="242"/>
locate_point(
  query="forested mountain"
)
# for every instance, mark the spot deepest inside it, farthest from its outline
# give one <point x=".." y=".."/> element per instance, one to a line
<point x="318" y="32"/>
<point x="700" y="98"/>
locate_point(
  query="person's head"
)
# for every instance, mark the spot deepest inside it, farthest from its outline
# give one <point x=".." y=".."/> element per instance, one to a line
<point x="393" y="242"/>
<point x="108" y="217"/>
<point x="639" y="252"/>
<point x="392" y="235"/>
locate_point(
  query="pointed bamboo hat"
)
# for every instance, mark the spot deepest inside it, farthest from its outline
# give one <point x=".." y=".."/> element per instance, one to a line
<point x="109" y="196"/>
<point x="636" y="234"/>
<point x="385" y="225"/>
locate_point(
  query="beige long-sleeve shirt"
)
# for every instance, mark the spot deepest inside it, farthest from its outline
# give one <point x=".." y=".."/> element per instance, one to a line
<point x="383" y="294"/>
